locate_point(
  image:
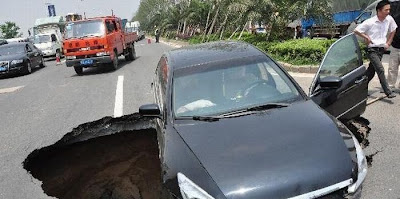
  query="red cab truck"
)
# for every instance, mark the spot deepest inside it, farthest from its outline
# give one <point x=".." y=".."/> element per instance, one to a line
<point x="95" y="41"/>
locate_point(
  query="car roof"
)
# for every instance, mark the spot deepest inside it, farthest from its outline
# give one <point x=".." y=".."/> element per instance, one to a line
<point x="210" y="52"/>
<point x="15" y="44"/>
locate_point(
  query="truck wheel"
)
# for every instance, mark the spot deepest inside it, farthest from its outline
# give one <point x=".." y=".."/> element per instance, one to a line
<point x="115" y="61"/>
<point x="128" y="56"/>
<point x="132" y="53"/>
<point x="78" y="70"/>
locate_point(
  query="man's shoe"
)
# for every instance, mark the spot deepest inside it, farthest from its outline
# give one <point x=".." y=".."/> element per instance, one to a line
<point x="391" y="95"/>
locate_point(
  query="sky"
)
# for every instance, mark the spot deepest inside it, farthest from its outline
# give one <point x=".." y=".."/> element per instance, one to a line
<point x="25" y="12"/>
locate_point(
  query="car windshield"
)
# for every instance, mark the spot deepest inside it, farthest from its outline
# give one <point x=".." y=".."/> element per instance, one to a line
<point x="10" y="50"/>
<point x="230" y="86"/>
<point x="91" y="28"/>
<point x="41" y="39"/>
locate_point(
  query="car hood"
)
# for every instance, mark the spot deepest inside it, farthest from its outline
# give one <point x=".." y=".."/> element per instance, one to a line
<point x="278" y="153"/>
<point x="11" y="57"/>
<point x="43" y="46"/>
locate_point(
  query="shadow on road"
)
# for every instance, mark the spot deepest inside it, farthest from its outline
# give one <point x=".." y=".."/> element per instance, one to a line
<point x="14" y="75"/>
<point x="104" y="68"/>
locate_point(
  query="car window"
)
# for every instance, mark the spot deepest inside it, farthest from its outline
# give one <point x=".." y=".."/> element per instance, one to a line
<point x="53" y="37"/>
<point x="110" y="26"/>
<point x="41" y="39"/>
<point x="342" y="58"/>
<point x="84" y="29"/>
<point x="11" y="49"/>
<point x="31" y="46"/>
<point x="115" y="26"/>
<point x="230" y="87"/>
<point x="364" y="16"/>
<point x="28" y="49"/>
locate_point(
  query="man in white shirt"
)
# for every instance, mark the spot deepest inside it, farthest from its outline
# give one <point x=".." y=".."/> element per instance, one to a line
<point x="375" y="31"/>
<point x="394" y="55"/>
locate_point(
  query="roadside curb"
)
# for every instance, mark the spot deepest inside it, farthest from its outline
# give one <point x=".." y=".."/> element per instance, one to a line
<point x="312" y="69"/>
<point x="170" y="42"/>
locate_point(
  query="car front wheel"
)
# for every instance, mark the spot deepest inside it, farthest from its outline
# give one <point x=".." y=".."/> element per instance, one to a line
<point x="42" y="63"/>
<point x="28" y="68"/>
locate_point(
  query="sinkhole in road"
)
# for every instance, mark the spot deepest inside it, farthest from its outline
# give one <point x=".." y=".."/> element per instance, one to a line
<point x="359" y="126"/>
<point x="114" y="158"/>
<point x="110" y="158"/>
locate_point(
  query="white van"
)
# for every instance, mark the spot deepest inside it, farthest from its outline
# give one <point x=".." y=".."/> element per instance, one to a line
<point x="49" y="43"/>
<point x="47" y="35"/>
<point x="134" y="26"/>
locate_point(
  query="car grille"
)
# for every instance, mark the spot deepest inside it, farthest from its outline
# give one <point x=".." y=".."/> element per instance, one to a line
<point x="85" y="56"/>
<point x="90" y="48"/>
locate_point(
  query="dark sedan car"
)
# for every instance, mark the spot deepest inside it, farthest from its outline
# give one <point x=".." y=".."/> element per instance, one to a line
<point x="19" y="58"/>
<point x="233" y="124"/>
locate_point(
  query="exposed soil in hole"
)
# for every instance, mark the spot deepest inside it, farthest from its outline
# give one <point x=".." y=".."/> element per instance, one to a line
<point x="110" y="164"/>
<point x="359" y="127"/>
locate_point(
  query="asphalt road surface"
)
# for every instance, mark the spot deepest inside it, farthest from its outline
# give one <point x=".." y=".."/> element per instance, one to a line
<point x="39" y="109"/>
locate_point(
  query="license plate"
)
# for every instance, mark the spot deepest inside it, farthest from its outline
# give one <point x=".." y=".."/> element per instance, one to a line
<point x="87" y="62"/>
<point x="2" y="68"/>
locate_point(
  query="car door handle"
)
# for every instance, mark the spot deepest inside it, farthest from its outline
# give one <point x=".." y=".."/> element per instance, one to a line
<point x="362" y="79"/>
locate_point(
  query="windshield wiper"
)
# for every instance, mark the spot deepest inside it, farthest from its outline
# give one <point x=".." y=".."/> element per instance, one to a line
<point x="207" y="118"/>
<point x="267" y="106"/>
<point x="251" y="110"/>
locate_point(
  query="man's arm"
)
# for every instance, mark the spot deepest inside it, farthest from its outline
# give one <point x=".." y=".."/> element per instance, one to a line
<point x="390" y="39"/>
<point x="365" y="36"/>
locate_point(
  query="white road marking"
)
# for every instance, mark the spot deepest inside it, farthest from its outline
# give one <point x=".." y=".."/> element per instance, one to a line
<point x="10" y="90"/>
<point x="119" y="97"/>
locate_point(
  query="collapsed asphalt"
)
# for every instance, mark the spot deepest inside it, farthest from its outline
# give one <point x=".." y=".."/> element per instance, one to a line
<point x="110" y="158"/>
<point x="115" y="158"/>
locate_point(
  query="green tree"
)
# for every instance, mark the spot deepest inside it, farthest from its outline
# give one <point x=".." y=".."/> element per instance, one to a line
<point x="227" y="17"/>
<point x="10" y="30"/>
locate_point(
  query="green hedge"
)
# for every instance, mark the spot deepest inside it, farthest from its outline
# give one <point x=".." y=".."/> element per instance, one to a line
<point x="300" y="51"/>
<point x="294" y="51"/>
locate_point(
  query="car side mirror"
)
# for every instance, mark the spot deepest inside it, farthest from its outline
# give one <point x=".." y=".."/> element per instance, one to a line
<point x="150" y="110"/>
<point x="330" y="82"/>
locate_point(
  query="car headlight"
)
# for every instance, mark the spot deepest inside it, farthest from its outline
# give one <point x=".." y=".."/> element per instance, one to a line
<point x="362" y="167"/>
<point x="17" y="61"/>
<point x="99" y="54"/>
<point x="71" y="57"/>
<point x="190" y="190"/>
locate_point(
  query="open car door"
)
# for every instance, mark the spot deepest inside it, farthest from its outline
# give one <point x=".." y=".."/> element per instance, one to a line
<point x="340" y="85"/>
